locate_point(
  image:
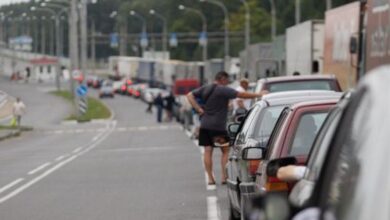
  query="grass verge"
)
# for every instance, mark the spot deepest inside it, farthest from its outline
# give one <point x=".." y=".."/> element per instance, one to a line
<point x="21" y="128"/>
<point x="96" y="109"/>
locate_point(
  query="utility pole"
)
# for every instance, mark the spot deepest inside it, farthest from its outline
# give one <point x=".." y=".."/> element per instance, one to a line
<point x="73" y="45"/>
<point x="328" y="4"/>
<point x="84" y="35"/>
<point x="93" y="44"/>
<point x="297" y="11"/>
<point x="43" y="36"/>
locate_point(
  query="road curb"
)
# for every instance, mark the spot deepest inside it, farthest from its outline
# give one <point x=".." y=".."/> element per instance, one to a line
<point x="10" y="134"/>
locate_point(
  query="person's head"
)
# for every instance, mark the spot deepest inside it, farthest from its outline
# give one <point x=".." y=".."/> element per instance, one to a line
<point x="222" y="78"/>
<point x="17" y="99"/>
<point x="244" y="83"/>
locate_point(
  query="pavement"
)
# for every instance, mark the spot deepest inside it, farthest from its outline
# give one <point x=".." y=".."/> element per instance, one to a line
<point x="129" y="167"/>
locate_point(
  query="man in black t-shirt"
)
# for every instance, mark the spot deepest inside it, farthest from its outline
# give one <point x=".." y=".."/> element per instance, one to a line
<point x="214" y="117"/>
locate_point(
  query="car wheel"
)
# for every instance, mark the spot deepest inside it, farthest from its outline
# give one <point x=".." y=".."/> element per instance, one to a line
<point x="233" y="214"/>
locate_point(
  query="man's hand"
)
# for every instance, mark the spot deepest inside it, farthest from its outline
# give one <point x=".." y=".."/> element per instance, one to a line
<point x="200" y="111"/>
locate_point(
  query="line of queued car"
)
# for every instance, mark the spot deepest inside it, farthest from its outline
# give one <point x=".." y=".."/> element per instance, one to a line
<point x="339" y="139"/>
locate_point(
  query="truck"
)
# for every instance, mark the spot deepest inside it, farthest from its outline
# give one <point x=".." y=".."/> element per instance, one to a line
<point x="341" y="25"/>
<point x="305" y="47"/>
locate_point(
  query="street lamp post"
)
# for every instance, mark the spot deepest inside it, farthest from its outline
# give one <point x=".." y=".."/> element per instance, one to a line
<point x="247" y="33"/>
<point x="204" y="27"/>
<point x="273" y="19"/>
<point x="227" y="22"/>
<point x="328" y="4"/>
<point x="143" y="20"/>
<point x="297" y="11"/>
<point x="164" y="32"/>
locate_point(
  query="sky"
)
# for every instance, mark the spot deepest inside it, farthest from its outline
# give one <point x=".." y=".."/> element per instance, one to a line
<point x="5" y="2"/>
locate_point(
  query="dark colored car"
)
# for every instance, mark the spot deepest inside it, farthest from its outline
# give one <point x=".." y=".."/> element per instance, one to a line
<point x="353" y="182"/>
<point x="255" y="131"/>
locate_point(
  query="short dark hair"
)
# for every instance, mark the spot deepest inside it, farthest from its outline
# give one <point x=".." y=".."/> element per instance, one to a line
<point x="221" y="75"/>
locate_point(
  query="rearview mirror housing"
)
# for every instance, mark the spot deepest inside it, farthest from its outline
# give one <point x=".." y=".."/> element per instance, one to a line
<point x="274" y="165"/>
<point x="233" y="129"/>
<point x="253" y="153"/>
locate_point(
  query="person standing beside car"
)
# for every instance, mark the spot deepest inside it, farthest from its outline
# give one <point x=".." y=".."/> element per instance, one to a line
<point x="214" y="115"/>
<point x="159" y="102"/>
<point x="241" y="106"/>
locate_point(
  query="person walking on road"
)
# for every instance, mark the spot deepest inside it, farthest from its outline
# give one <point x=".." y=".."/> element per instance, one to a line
<point x="170" y="102"/>
<point x="159" y="102"/>
<point x="18" y="110"/>
<point x="149" y="100"/>
<point x="214" y="115"/>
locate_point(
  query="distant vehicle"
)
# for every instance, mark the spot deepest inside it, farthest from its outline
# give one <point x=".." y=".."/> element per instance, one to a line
<point x="117" y="85"/>
<point x="106" y="90"/>
<point x="305" y="48"/>
<point x="184" y="86"/>
<point x="254" y="131"/>
<point x="78" y="76"/>
<point x="353" y="179"/>
<point x="94" y="81"/>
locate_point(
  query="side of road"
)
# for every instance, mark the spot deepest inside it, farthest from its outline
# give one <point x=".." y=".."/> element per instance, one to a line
<point x="6" y="134"/>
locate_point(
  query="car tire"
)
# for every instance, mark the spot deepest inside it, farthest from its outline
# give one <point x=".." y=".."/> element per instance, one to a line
<point x="233" y="214"/>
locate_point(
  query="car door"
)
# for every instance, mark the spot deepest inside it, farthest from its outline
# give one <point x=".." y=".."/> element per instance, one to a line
<point x="233" y="165"/>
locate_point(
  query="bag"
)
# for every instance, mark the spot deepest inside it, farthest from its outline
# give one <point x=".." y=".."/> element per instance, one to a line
<point x="203" y="101"/>
<point x="12" y="123"/>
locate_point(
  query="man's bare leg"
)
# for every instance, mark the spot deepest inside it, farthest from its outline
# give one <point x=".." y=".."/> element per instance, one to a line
<point x="224" y="161"/>
<point x="208" y="163"/>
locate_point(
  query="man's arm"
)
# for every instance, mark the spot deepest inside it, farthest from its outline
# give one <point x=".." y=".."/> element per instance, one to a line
<point x="194" y="103"/>
<point x="250" y="95"/>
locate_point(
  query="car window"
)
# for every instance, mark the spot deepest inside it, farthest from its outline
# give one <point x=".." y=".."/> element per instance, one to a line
<point x="277" y="129"/>
<point x="262" y="130"/>
<point x="308" y="126"/>
<point x="248" y="121"/>
<point x="300" y="85"/>
<point x="321" y="145"/>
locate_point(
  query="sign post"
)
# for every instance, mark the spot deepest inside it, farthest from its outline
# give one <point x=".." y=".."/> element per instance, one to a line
<point x="82" y="92"/>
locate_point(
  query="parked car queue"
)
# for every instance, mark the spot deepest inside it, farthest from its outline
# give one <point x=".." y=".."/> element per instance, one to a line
<point x="345" y="162"/>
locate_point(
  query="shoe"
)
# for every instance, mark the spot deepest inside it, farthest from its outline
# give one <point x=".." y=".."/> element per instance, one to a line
<point x="211" y="183"/>
<point x="224" y="182"/>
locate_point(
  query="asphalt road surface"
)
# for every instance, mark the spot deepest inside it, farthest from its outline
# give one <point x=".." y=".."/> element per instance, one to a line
<point x="129" y="167"/>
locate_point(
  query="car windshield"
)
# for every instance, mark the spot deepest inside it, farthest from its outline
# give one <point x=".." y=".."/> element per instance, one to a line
<point x="300" y="85"/>
<point x="262" y="130"/>
<point x="308" y="127"/>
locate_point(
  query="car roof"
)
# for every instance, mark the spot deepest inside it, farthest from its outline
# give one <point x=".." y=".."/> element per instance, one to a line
<point x="314" y="103"/>
<point x="291" y="97"/>
<point x="297" y="78"/>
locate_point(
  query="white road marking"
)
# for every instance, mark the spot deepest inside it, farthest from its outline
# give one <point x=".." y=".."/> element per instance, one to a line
<point x="142" y="128"/>
<point x="36" y="170"/>
<point x="121" y="129"/>
<point x="212" y="208"/>
<point x="8" y="186"/>
<point x="59" y="132"/>
<point x="77" y="150"/>
<point x="141" y="149"/>
<point x="58" y="166"/>
<point x="60" y="158"/>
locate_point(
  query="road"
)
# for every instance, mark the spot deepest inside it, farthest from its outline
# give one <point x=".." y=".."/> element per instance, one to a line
<point x="126" y="168"/>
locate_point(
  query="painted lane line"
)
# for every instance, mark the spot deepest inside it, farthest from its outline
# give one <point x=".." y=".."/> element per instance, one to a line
<point x="58" y="166"/>
<point x="61" y="157"/>
<point x="36" y="170"/>
<point x="95" y="138"/>
<point x="79" y="131"/>
<point x="121" y="129"/>
<point x="212" y="211"/>
<point x="77" y="150"/>
<point x="10" y="185"/>
<point x="142" y="128"/>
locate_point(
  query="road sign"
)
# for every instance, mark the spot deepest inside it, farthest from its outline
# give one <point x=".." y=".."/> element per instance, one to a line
<point x="83" y="106"/>
<point x="203" y="39"/>
<point x="114" y="40"/>
<point x="82" y="91"/>
<point x="144" y="39"/>
<point x="173" y="40"/>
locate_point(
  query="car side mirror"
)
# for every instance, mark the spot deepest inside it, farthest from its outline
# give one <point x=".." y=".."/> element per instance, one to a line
<point x="270" y="206"/>
<point x="253" y="153"/>
<point x="233" y="129"/>
<point x="274" y="165"/>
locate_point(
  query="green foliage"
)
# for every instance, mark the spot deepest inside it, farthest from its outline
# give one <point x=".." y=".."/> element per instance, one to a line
<point x="180" y="21"/>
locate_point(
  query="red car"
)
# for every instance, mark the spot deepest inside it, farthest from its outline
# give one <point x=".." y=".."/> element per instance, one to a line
<point x="293" y="136"/>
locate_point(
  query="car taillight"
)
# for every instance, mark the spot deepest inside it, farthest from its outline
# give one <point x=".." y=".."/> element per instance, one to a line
<point x="253" y="166"/>
<point x="123" y="88"/>
<point x="274" y="184"/>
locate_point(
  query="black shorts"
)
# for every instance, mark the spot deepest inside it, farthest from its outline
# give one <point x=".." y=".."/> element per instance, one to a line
<point x="207" y="136"/>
